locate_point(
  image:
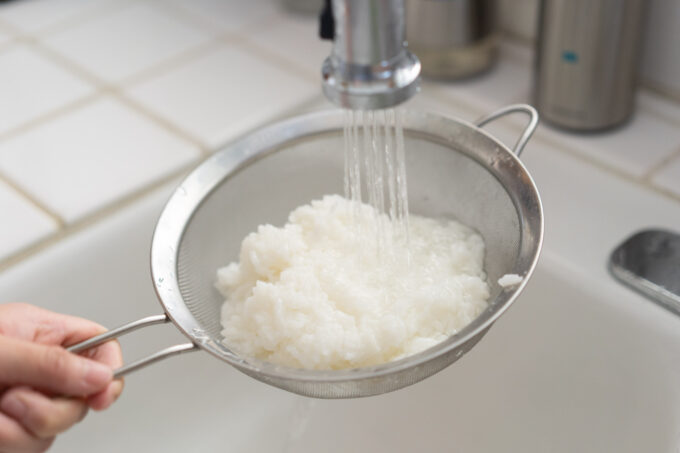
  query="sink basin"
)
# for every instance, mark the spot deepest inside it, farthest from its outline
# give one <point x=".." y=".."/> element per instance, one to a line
<point x="577" y="364"/>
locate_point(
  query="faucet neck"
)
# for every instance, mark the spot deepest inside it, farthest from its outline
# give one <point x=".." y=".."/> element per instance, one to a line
<point x="368" y="32"/>
<point x="369" y="67"/>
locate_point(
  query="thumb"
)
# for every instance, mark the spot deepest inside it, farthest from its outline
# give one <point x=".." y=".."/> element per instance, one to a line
<point x="50" y="368"/>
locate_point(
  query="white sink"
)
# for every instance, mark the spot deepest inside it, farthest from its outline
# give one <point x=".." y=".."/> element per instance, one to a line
<point x="577" y="364"/>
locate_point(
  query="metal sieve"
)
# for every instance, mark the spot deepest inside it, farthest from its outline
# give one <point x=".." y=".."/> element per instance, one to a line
<point x="455" y="170"/>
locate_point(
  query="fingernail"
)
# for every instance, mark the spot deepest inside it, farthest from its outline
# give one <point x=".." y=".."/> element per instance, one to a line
<point x="118" y="389"/>
<point x="13" y="406"/>
<point x="97" y="374"/>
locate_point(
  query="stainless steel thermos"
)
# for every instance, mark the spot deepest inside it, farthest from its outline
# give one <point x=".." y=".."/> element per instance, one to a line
<point x="452" y="38"/>
<point x="586" y="61"/>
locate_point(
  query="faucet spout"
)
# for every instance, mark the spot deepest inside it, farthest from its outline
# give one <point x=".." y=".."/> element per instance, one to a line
<point x="369" y="66"/>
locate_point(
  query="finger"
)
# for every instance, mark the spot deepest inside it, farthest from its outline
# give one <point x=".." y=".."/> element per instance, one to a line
<point x="14" y="438"/>
<point x="51" y="368"/>
<point x="106" y="398"/>
<point x="109" y="354"/>
<point x="42" y="416"/>
<point x="66" y="330"/>
<point x="31" y="323"/>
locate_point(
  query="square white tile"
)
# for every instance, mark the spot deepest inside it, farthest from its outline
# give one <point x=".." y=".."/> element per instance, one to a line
<point x="223" y="94"/>
<point x="34" y="15"/>
<point x="91" y="157"/>
<point x="231" y="15"/>
<point x="295" y="38"/>
<point x="22" y="223"/>
<point x="31" y="85"/>
<point x="669" y="176"/>
<point x="126" y="41"/>
<point x="634" y="148"/>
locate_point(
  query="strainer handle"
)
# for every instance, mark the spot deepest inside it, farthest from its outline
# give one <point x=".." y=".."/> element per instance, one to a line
<point x="515" y="108"/>
<point x="131" y="327"/>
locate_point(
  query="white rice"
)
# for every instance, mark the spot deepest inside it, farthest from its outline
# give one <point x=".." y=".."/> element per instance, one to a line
<point x="316" y="294"/>
<point x="510" y="280"/>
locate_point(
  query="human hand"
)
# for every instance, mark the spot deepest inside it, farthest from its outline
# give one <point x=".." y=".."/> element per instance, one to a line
<point x="44" y="389"/>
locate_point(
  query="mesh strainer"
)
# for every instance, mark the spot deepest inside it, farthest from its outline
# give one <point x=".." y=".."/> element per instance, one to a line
<point x="455" y="170"/>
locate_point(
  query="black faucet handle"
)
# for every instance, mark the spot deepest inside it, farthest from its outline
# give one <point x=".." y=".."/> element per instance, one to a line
<point x="326" y="22"/>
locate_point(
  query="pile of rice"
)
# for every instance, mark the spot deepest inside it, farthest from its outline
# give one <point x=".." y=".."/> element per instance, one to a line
<point x="322" y="293"/>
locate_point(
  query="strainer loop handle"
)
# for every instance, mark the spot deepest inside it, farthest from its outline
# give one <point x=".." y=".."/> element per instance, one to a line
<point x="127" y="328"/>
<point x="515" y="108"/>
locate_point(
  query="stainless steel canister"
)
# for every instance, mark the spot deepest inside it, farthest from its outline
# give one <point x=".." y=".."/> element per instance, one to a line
<point x="452" y="38"/>
<point x="586" y="61"/>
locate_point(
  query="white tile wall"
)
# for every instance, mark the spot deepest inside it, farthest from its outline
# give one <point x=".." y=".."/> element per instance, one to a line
<point x="92" y="156"/>
<point x="22" y="223"/>
<point x="289" y="35"/>
<point x="222" y="94"/>
<point x="124" y="42"/>
<point x="31" y="85"/>
<point x="231" y="15"/>
<point x="34" y="15"/>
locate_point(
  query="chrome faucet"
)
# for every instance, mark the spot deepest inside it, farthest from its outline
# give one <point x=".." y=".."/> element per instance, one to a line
<point x="369" y="66"/>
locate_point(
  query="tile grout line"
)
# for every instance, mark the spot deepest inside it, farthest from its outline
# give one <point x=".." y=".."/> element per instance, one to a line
<point x="649" y="175"/>
<point x="102" y="88"/>
<point x="79" y="18"/>
<point x="174" y="62"/>
<point x="51" y="115"/>
<point x="297" y="109"/>
<point x="640" y="181"/>
<point x="118" y="90"/>
<point x="70" y="21"/>
<point x="197" y="19"/>
<point x="612" y="171"/>
<point x="186" y="16"/>
<point x="35" y="202"/>
<point x="70" y="66"/>
<point x="564" y="149"/>
<point x="163" y="123"/>
<point x="279" y="61"/>
<point x="98" y="215"/>
<point x="104" y="212"/>
<point x="239" y="37"/>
